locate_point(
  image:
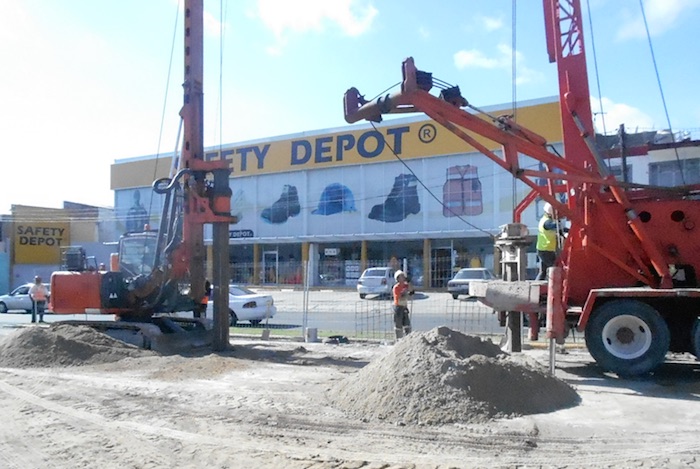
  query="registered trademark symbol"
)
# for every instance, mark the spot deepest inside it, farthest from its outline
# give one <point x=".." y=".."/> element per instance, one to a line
<point x="427" y="133"/>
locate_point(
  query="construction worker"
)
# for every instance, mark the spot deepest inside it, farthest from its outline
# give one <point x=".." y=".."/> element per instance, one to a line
<point x="203" y="303"/>
<point x="546" y="241"/>
<point x="402" y="289"/>
<point x="38" y="293"/>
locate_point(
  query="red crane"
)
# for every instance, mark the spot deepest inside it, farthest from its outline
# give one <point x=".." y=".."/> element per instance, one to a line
<point x="632" y="253"/>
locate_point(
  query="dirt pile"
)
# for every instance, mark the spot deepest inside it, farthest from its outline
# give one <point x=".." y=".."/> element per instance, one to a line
<point x="443" y="376"/>
<point x="63" y="345"/>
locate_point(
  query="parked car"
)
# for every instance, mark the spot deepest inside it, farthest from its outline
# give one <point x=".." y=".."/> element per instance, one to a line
<point x="459" y="285"/>
<point x="246" y="305"/>
<point x="376" y="281"/>
<point x="17" y="299"/>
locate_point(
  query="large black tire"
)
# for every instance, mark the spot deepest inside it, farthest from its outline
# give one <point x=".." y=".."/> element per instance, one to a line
<point x="627" y="337"/>
<point x="454" y="297"/>
<point x="695" y="338"/>
<point x="362" y="296"/>
<point x="233" y="319"/>
<point x="3" y="308"/>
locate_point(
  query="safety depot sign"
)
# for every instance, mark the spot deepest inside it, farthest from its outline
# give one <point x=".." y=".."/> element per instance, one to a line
<point x="40" y="242"/>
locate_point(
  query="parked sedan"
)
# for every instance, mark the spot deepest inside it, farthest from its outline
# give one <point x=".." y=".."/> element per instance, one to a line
<point x="459" y="285"/>
<point x="17" y="299"/>
<point x="376" y="281"/>
<point x="246" y="305"/>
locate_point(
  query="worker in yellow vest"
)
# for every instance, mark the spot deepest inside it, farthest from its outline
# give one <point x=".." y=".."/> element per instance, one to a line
<point x="546" y="241"/>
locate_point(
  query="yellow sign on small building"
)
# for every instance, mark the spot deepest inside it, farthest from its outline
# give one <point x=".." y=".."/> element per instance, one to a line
<point x="38" y="236"/>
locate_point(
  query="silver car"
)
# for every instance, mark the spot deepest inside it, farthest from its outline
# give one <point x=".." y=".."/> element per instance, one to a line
<point x="459" y="285"/>
<point x="17" y="300"/>
<point x="246" y="305"/>
<point x="376" y="281"/>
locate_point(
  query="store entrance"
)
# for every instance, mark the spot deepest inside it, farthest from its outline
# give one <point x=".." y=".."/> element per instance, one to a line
<point x="440" y="267"/>
<point x="270" y="267"/>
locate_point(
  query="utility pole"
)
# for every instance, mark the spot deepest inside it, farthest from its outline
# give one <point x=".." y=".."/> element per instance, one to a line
<point x="206" y="188"/>
<point x="622" y="135"/>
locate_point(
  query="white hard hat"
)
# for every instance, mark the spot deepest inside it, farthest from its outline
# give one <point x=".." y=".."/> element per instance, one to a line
<point x="398" y="273"/>
<point x="548" y="209"/>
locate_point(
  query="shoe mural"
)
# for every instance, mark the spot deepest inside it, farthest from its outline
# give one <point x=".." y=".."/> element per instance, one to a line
<point x="401" y="202"/>
<point x="461" y="193"/>
<point x="335" y="198"/>
<point x="239" y="204"/>
<point x="286" y="206"/>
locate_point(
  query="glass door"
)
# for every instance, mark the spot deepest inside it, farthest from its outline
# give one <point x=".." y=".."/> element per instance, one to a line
<point x="270" y="267"/>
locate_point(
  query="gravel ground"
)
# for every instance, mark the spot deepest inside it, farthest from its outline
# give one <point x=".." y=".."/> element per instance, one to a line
<point x="268" y="404"/>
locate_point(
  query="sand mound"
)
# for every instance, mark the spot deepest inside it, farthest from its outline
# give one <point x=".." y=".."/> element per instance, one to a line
<point x="63" y="345"/>
<point x="443" y="376"/>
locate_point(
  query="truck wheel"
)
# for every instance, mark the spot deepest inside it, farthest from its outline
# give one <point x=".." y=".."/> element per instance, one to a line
<point x="454" y="297"/>
<point x="362" y="296"/>
<point x="627" y="337"/>
<point x="695" y="338"/>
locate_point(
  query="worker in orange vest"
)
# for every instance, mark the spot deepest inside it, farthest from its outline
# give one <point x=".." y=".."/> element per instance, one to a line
<point x="205" y="300"/>
<point x="402" y="289"/>
<point x="38" y="293"/>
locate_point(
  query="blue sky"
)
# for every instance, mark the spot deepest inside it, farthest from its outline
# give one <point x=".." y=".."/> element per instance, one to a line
<point x="85" y="81"/>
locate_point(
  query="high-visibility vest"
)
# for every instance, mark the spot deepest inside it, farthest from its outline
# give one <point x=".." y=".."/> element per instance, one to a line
<point x="546" y="239"/>
<point x="38" y="292"/>
<point x="400" y="290"/>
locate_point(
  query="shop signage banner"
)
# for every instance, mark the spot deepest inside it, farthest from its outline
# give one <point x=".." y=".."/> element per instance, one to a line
<point x="359" y="145"/>
<point x="40" y="242"/>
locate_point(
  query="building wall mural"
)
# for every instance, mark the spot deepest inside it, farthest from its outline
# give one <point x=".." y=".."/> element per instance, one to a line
<point x="382" y="200"/>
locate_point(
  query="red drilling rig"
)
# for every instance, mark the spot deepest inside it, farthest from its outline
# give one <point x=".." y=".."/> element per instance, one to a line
<point x="162" y="271"/>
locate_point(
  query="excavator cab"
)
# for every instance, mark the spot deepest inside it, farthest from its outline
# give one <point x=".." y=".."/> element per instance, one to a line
<point x="137" y="253"/>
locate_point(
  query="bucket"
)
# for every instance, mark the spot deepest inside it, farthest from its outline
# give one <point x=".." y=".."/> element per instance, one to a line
<point x="311" y="334"/>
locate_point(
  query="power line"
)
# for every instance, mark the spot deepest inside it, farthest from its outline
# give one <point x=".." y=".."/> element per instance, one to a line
<point x="595" y="66"/>
<point x="661" y="91"/>
<point x="165" y="102"/>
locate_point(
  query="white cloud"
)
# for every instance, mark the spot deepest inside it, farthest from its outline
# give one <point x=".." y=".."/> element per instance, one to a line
<point x="283" y="16"/>
<point x="490" y="23"/>
<point x="474" y="59"/>
<point x="212" y="26"/>
<point x="503" y="60"/>
<point x="661" y="15"/>
<point x="615" y="114"/>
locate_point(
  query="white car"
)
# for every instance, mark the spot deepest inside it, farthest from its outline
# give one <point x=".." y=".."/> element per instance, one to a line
<point x="459" y="285"/>
<point x="376" y="281"/>
<point x="17" y="300"/>
<point x="246" y="305"/>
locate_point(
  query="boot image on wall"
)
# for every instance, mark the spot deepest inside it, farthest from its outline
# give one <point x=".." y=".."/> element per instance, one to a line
<point x="238" y="205"/>
<point x="401" y="202"/>
<point x="461" y="193"/>
<point x="286" y="206"/>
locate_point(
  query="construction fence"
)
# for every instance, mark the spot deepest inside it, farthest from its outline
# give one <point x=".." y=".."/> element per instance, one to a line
<point x="340" y="312"/>
<point x="375" y="319"/>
